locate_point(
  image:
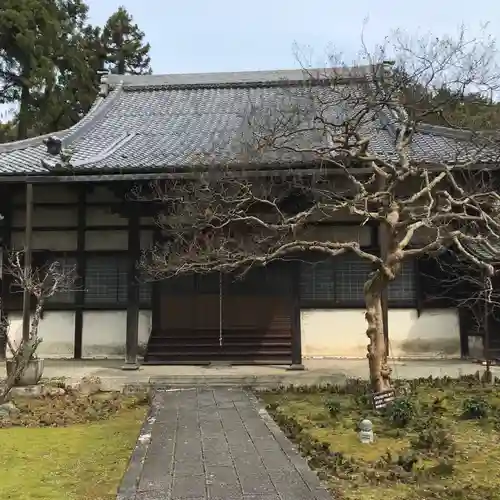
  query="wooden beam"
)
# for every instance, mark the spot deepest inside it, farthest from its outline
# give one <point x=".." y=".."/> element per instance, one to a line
<point x="181" y="173"/>
<point x="193" y="172"/>
<point x="80" y="270"/>
<point x="134" y="250"/>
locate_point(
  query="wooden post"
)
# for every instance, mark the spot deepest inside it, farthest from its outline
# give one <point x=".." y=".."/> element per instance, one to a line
<point x="80" y="270"/>
<point x="156" y="288"/>
<point x="6" y="237"/>
<point x="134" y="250"/>
<point x="28" y="236"/>
<point x="296" y="332"/>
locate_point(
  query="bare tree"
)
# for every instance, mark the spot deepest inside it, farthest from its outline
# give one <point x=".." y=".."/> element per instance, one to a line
<point x="341" y="144"/>
<point x="473" y="290"/>
<point x="41" y="283"/>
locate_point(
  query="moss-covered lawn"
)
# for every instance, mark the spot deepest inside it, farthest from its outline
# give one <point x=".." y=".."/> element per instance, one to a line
<point x="77" y="462"/>
<point x="440" y="440"/>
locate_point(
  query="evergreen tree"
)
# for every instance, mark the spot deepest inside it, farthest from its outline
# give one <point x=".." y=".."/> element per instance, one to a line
<point x="71" y="88"/>
<point x="446" y="106"/>
<point x="50" y="57"/>
<point x="29" y="31"/>
<point x="123" y="42"/>
<point x="7" y="132"/>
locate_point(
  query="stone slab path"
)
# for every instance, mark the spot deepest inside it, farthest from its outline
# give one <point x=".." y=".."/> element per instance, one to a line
<point x="215" y="444"/>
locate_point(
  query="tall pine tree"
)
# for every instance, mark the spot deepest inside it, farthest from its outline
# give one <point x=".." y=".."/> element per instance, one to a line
<point x="124" y="44"/>
<point x="29" y="31"/>
<point x="50" y="57"/>
<point x="71" y="88"/>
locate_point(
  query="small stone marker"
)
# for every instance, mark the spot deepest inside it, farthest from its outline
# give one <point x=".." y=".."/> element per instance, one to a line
<point x="366" y="431"/>
<point x="382" y="399"/>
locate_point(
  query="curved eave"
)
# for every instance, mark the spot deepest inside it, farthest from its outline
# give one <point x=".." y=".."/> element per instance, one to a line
<point x="172" y="172"/>
<point x="69" y="135"/>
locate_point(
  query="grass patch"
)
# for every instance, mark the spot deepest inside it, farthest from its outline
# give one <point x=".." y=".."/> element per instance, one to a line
<point x="81" y="462"/>
<point x="440" y="440"/>
<point x="59" y="459"/>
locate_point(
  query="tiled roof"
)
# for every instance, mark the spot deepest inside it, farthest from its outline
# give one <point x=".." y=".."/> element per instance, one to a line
<point x="485" y="251"/>
<point x="154" y="122"/>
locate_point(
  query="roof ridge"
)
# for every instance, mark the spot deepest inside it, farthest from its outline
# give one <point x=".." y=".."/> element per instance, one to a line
<point x="462" y="134"/>
<point x="68" y="135"/>
<point x="449" y="132"/>
<point x="245" y="78"/>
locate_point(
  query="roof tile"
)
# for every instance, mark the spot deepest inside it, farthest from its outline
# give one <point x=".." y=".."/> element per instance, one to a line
<point x="155" y="122"/>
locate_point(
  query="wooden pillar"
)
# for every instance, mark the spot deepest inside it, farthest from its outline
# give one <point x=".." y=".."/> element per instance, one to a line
<point x="296" y="331"/>
<point x="6" y="237"/>
<point x="28" y="236"/>
<point x="419" y="289"/>
<point x="156" y="292"/>
<point x="80" y="271"/>
<point x="134" y="250"/>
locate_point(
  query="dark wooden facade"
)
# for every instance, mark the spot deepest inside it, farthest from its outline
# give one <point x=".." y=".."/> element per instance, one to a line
<point x="255" y="320"/>
<point x="199" y="319"/>
<point x="221" y="318"/>
<point x="80" y="216"/>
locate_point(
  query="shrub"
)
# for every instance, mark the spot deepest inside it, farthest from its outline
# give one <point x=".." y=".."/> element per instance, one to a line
<point x="363" y="401"/>
<point x="401" y="412"/>
<point x="333" y="406"/>
<point x="272" y="407"/>
<point x="475" y="408"/>
<point x="433" y="437"/>
<point x="355" y="387"/>
<point x="438" y="407"/>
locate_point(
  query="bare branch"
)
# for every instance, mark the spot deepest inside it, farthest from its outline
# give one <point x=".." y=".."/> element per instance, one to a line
<point x="376" y="152"/>
<point x="41" y="283"/>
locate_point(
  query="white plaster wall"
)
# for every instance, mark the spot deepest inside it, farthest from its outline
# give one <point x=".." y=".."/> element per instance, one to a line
<point x="106" y="240"/>
<point x="114" y="239"/>
<point x="103" y="216"/>
<point x="46" y="193"/>
<point x="57" y="329"/>
<point x="341" y="333"/>
<point x="47" y="240"/>
<point x="46" y="216"/>
<point x="104" y="333"/>
<point x="101" y="193"/>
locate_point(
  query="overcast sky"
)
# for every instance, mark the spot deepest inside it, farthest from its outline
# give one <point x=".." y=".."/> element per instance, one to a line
<point x="231" y="35"/>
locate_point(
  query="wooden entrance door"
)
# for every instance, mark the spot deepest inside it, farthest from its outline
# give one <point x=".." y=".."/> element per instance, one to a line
<point x="205" y="319"/>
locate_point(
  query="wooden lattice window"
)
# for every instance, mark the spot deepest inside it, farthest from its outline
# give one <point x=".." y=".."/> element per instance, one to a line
<point x="339" y="281"/>
<point x="106" y="281"/>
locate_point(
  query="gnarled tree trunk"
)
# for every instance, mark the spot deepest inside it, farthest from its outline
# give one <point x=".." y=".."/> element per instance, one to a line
<point x="380" y="371"/>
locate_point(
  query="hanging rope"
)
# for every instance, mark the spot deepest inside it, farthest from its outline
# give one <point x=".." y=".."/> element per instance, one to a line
<point x="220" y="309"/>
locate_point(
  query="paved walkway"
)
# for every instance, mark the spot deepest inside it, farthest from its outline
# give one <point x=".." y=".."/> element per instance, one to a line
<point x="215" y="443"/>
